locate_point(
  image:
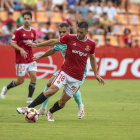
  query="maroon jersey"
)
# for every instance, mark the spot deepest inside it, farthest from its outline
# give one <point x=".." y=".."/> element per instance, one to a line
<point x="76" y="55"/>
<point x="21" y="37"/>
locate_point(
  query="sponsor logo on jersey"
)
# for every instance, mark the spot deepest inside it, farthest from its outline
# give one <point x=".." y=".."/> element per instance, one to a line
<point x="80" y="53"/>
<point x="74" y="44"/>
<point x="24" y="35"/>
<point x="74" y="88"/>
<point x="27" y="41"/>
<point x="32" y="35"/>
<point x="58" y="82"/>
<point x="87" y="48"/>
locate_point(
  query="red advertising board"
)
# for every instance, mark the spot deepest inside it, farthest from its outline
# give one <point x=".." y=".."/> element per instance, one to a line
<point x="113" y="63"/>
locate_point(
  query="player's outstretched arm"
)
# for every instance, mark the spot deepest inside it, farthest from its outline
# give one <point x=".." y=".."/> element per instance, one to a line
<point x="16" y="47"/>
<point x="50" y="42"/>
<point x="47" y="53"/>
<point x="94" y="68"/>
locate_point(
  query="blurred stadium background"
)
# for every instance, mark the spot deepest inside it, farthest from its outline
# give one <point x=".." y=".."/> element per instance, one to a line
<point x="113" y="24"/>
<point x="111" y="111"/>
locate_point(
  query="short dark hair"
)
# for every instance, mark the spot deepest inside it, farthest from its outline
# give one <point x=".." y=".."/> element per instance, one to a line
<point x="107" y="39"/>
<point x="83" y="24"/>
<point x="127" y="30"/>
<point x="27" y="13"/>
<point x="104" y="14"/>
<point x="10" y="13"/>
<point x="64" y="25"/>
<point x="89" y="11"/>
<point x="48" y="23"/>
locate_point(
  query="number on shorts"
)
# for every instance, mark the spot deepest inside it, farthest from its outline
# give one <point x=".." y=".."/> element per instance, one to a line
<point x="21" y="68"/>
<point x="62" y="77"/>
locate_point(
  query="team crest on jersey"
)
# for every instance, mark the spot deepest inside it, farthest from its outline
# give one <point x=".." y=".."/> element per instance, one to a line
<point x="32" y="35"/>
<point x="87" y="48"/>
<point x="20" y="72"/>
<point x="58" y="82"/>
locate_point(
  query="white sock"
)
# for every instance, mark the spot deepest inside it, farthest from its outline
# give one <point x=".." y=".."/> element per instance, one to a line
<point x="44" y="108"/>
<point x="29" y="98"/>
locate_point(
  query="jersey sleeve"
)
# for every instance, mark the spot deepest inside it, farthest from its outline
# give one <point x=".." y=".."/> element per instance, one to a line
<point x="93" y="49"/>
<point x="64" y="39"/>
<point x="57" y="48"/>
<point x="15" y="36"/>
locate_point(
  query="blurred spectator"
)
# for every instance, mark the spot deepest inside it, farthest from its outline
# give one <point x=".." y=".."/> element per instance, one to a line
<point x="79" y="17"/>
<point x="10" y="18"/>
<point x="71" y="21"/>
<point x="3" y="40"/>
<point x="82" y="8"/>
<point x="137" y="44"/>
<point x="15" y="4"/>
<point x="110" y="10"/>
<point x="107" y="44"/>
<point x="89" y="2"/>
<point x="117" y="2"/>
<point x="71" y="4"/>
<point x="127" y="37"/>
<point x="93" y="25"/>
<point x="39" y="33"/>
<point x="124" y="5"/>
<point x="97" y="43"/>
<point x="58" y="5"/>
<point x="107" y="24"/>
<point x="48" y="33"/>
<point x="4" y="3"/>
<point x="8" y="29"/>
<point x="96" y="9"/>
<point x="29" y="4"/>
<point x="20" y="19"/>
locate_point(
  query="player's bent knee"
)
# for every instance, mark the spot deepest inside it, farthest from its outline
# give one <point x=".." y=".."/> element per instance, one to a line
<point x="20" y="82"/>
<point x="49" y="93"/>
<point x="33" y="79"/>
<point x="62" y="103"/>
<point x="49" y="84"/>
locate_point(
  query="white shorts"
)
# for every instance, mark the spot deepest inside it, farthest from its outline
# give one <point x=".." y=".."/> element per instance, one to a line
<point x="22" y="69"/>
<point x="70" y="84"/>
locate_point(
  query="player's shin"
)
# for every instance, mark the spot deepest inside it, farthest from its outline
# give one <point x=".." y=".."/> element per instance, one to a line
<point x="55" y="108"/>
<point x="44" y="104"/>
<point x="11" y="85"/>
<point x="31" y="89"/>
<point x="77" y="98"/>
<point x="40" y="99"/>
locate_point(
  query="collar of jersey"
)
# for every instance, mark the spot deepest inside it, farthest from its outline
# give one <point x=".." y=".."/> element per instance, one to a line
<point x="82" y="40"/>
<point x="26" y="29"/>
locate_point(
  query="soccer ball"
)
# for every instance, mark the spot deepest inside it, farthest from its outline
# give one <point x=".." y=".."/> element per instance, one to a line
<point x="31" y="115"/>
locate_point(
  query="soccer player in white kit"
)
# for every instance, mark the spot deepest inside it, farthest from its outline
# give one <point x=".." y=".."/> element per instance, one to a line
<point x="72" y="71"/>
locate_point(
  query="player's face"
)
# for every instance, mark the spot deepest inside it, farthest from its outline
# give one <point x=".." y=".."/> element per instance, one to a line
<point x="81" y="33"/>
<point x="27" y="20"/>
<point x="63" y="31"/>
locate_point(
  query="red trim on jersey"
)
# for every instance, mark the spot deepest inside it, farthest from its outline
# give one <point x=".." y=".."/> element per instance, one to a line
<point x="55" y="78"/>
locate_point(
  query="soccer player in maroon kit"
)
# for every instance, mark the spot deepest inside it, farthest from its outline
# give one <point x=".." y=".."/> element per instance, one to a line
<point x="24" y="56"/>
<point x="72" y="71"/>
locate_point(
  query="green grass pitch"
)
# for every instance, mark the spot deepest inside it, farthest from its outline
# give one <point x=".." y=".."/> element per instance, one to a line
<point x="112" y="112"/>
